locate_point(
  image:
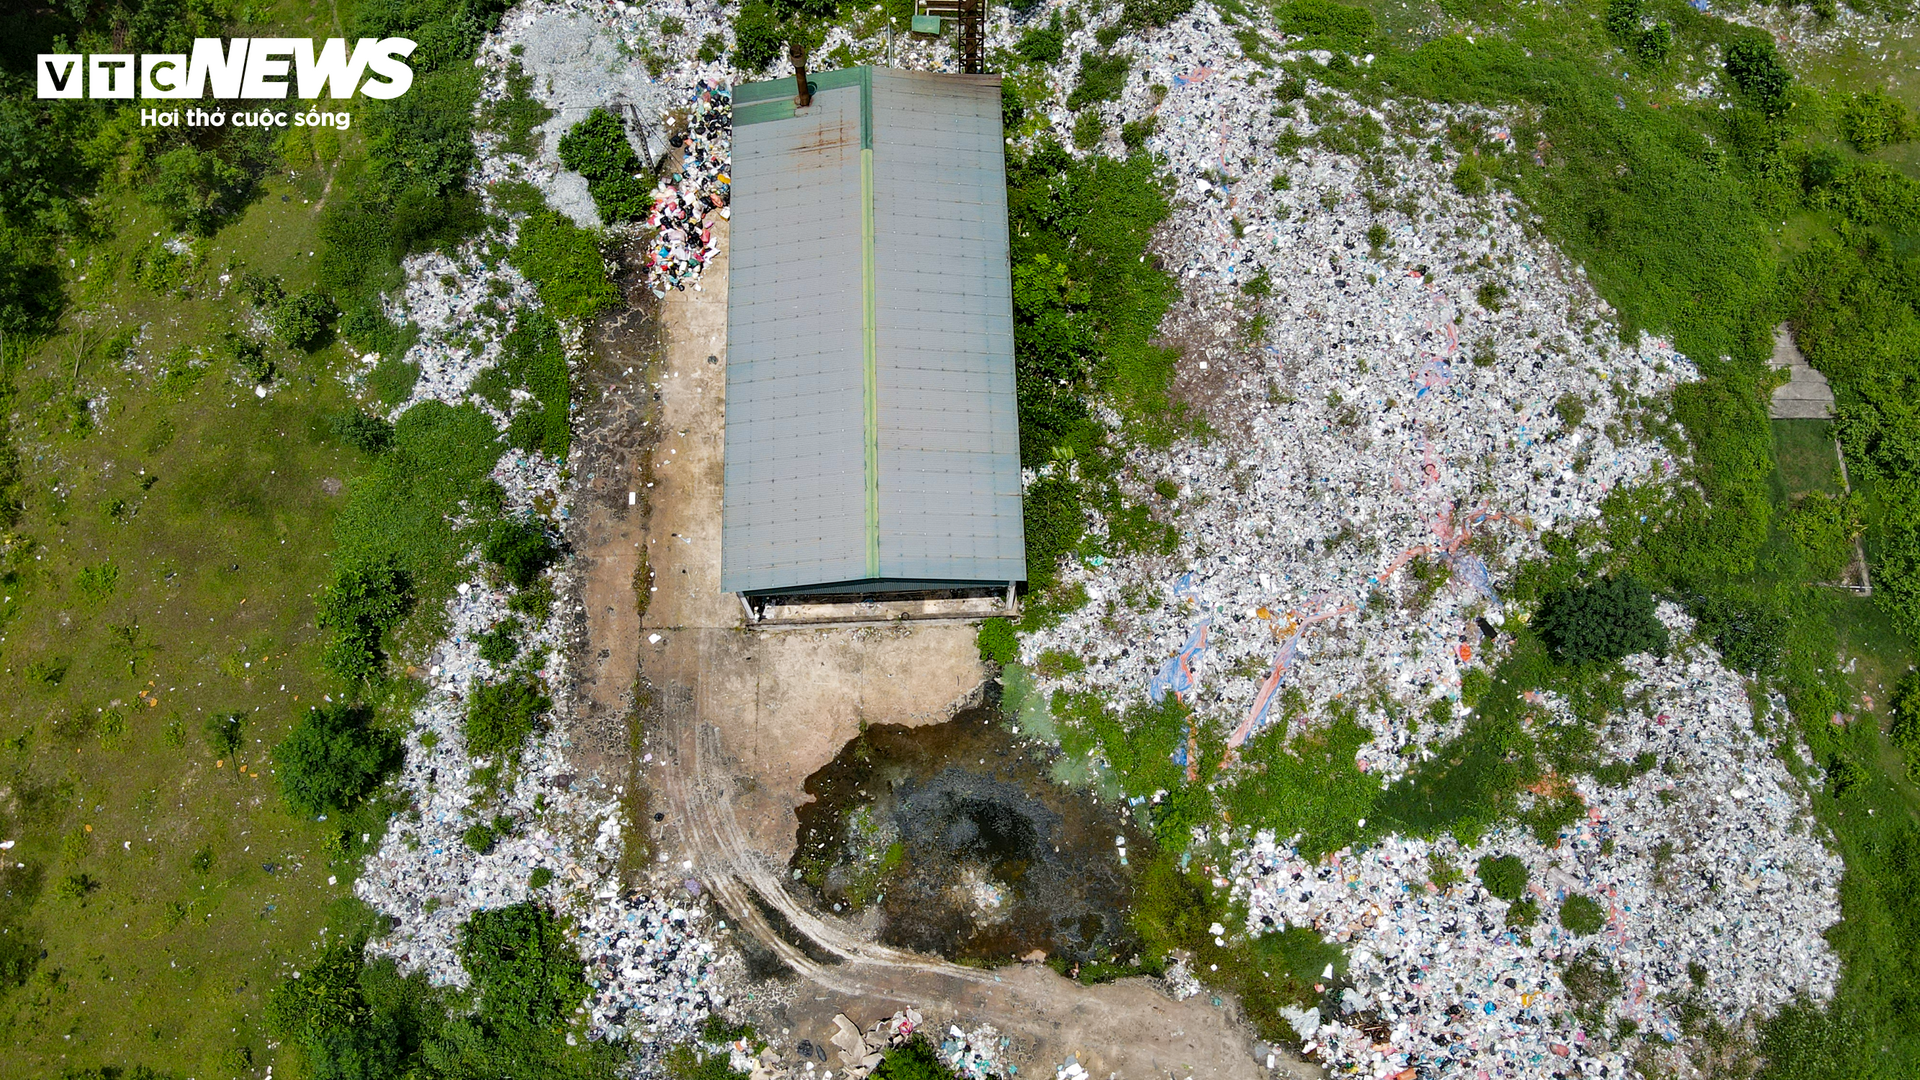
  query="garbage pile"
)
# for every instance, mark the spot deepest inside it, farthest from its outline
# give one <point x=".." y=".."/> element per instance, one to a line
<point x="651" y="959"/>
<point x="1412" y="416"/>
<point x="1712" y="883"/>
<point x="976" y="1054"/>
<point x="480" y="833"/>
<point x="685" y="205"/>
<point x="1408" y="388"/>
<point x="462" y="305"/>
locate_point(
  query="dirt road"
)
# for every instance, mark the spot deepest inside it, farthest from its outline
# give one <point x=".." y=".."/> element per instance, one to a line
<point x="736" y="719"/>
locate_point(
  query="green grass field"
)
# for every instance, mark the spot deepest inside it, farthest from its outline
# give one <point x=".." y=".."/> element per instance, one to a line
<point x="174" y="530"/>
<point x="1803" y="450"/>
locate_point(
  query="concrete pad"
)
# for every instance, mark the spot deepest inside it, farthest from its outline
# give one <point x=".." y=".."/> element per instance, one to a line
<point x="1806" y="396"/>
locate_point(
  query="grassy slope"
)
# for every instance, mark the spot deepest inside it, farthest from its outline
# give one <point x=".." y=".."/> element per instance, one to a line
<point x="165" y="964"/>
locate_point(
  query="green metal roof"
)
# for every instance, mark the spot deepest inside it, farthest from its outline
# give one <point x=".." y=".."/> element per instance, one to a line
<point x="871" y="426"/>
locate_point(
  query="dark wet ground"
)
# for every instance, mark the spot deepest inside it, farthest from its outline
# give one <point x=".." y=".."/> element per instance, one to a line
<point x="966" y="847"/>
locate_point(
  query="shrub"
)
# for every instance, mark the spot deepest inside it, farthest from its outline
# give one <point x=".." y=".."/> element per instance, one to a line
<point x="1601" y="622"/>
<point x="1905" y="704"/>
<point x="1523" y="912"/>
<point x="300" y="321"/>
<point x="757" y="36"/>
<point x="1754" y="67"/>
<point x="1054" y="524"/>
<point x="1623" y="18"/>
<point x="392" y="380"/>
<point x="540" y="877"/>
<point x="1654" y="44"/>
<point x="1134" y="133"/>
<point x="1340" y="23"/>
<point x="1043" y="44"/>
<point x="1469" y="179"/>
<point x="501" y="644"/>
<point x="223" y="732"/>
<point x="1582" y="915"/>
<point x="1872" y="120"/>
<point x="563" y="262"/>
<point x="1140" y="14"/>
<point x="917" y="1059"/>
<point x="1088" y="130"/>
<point x="1102" y="77"/>
<point x="520" y="548"/>
<point x="1825" y="528"/>
<point x="1505" y="877"/>
<point x="500" y="716"/>
<point x="597" y="149"/>
<point x="249" y="355"/>
<point x="364" y="432"/>
<point x="195" y="188"/>
<point x="997" y="642"/>
<point x="363" y="602"/>
<point x="334" y="758"/>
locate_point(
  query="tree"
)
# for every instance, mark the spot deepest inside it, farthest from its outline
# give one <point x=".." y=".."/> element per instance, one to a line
<point x="597" y="149"/>
<point x="1601" y="622"/>
<point x="300" y="321"/>
<point x="333" y="758"/>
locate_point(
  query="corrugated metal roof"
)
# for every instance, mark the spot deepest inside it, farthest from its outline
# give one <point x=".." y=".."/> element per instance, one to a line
<point x="871" y="424"/>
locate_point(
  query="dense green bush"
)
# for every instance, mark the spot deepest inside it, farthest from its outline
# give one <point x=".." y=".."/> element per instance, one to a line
<point x="193" y="189"/>
<point x="1102" y="78"/>
<point x="520" y="548"/>
<point x="362" y="603"/>
<point x="363" y="431"/>
<point x="1582" y="915"/>
<point x="1623" y="18"/>
<point x="351" y="1019"/>
<point x="1874" y="119"/>
<point x="334" y="758"/>
<point x="1327" y="20"/>
<point x="301" y="321"/>
<point x="531" y="358"/>
<point x="597" y="149"/>
<point x="1601" y="622"/>
<point x="757" y="36"/>
<point x="1043" y="44"/>
<point x="1504" y="877"/>
<point x="563" y="262"/>
<point x="1054" y="524"/>
<point x="1142" y="14"/>
<point x="1755" y="68"/>
<point x="918" y="1059"/>
<point x="997" y="642"/>
<point x="501" y="715"/>
<point x="501" y="644"/>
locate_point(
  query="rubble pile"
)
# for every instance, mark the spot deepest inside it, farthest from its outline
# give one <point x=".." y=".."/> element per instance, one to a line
<point x="1708" y="882"/>
<point x="862" y="1051"/>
